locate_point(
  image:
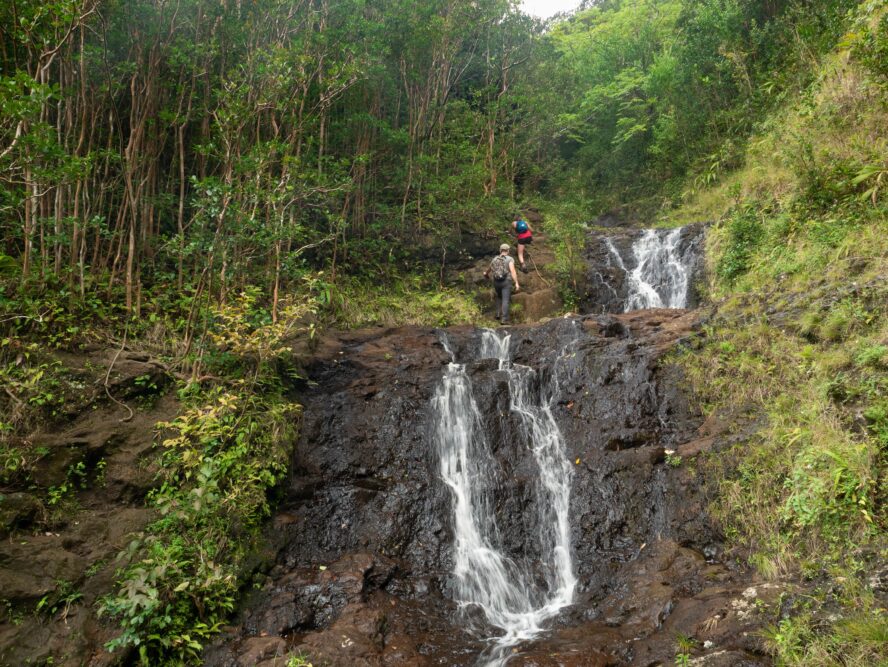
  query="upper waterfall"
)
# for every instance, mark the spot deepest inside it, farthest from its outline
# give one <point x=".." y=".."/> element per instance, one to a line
<point x="660" y="278"/>
<point x="640" y="269"/>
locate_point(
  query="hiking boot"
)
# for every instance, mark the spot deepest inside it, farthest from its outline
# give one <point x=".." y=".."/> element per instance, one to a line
<point x="524" y="268"/>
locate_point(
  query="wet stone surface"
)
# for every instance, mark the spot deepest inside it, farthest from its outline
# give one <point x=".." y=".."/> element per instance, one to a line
<point x="609" y="258"/>
<point x="364" y="538"/>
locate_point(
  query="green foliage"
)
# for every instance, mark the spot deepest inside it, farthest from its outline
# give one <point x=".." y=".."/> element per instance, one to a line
<point x="252" y="336"/>
<point x="673" y="460"/>
<point x="869" y="38"/>
<point x="60" y="600"/>
<point x="17" y="460"/>
<point x="290" y="139"/>
<point x="798" y="342"/>
<point x="684" y="643"/>
<point x="859" y="640"/>
<point x="8" y="267"/>
<point x="660" y="96"/>
<point x="357" y="303"/>
<point x="298" y="661"/>
<point x="566" y="235"/>
<point x="876" y="416"/>
<point x="75" y="478"/>
<point x="806" y="460"/>
<point x="34" y="386"/>
<point x="828" y="487"/>
<point x="223" y="454"/>
<point x="872" y="355"/>
<point x="744" y="233"/>
<point x="10" y="613"/>
<point x="54" y="313"/>
<point x="269" y="142"/>
<point x="220" y="458"/>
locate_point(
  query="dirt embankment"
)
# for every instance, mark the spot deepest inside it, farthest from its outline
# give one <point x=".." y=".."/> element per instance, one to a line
<point x="64" y="523"/>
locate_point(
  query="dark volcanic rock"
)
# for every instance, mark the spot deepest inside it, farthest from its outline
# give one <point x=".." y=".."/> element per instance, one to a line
<point x="364" y="535"/>
<point x="17" y="510"/>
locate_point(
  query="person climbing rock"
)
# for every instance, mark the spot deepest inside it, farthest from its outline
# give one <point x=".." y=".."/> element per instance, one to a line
<point x="502" y="268"/>
<point x="524" y="232"/>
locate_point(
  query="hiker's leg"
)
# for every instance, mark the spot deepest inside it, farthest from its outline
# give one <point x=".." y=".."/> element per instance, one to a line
<point x="520" y="253"/>
<point x="496" y="300"/>
<point x="506" y="296"/>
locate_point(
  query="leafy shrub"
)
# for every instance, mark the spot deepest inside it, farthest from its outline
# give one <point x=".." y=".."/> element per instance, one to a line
<point x="566" y="234"/>
<point x="877" y="419"/>
<point x="872" y="356"/>
<point x="225" y="452"/>
<point x="252" y="336"/>
<point x="830" y="487"/>
<point x="8" y="267"/>
<point x="34" y="386"/>
<point x="55" y="313"/>
<point x="870" y="39"/>
<point x="744" y="231"/>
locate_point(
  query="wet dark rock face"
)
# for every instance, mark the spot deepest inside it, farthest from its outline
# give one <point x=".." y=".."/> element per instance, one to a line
<point x="605" y="287"/>
<point x="363" y="538"/>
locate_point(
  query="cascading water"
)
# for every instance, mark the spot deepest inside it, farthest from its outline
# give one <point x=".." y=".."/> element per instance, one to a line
<point x="485" y="577"/>
<point x="660" y="277"/>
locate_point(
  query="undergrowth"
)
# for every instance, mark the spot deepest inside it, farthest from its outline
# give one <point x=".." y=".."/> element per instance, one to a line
<point x="219" y="461"/>
<point x="566" y="233"/>
<point x="409" y="300"/>
<point x="224" y="453"/>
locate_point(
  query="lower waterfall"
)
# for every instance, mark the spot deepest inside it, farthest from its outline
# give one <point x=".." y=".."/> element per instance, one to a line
<point x="505" y="591"/>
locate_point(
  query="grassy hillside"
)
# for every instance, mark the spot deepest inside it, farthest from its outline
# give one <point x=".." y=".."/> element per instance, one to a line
<point x="796" y="353"/>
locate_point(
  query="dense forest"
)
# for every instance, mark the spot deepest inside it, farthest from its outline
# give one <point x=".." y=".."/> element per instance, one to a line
<point x="217" y="145"/>
<point x="211" y="181"/>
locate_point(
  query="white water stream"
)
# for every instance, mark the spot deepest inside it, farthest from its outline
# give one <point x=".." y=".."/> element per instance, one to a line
<point x="660" y="277"/>
<point x="486" y="578"/>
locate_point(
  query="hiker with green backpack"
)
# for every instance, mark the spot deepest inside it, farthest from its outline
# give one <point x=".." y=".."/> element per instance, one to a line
<point x="502" y="268"/>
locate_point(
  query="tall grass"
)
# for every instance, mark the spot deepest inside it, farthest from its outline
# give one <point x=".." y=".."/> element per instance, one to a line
<point x="794" y="360"/>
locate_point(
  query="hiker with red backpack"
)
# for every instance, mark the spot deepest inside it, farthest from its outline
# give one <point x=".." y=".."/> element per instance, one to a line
<point x="502" y="268"/>
<point x="524" y="232"/>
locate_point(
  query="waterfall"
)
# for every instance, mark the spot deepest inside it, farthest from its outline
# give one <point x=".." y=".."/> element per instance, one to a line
<point x="485" y="577"/>
<point x="660" y="277"/>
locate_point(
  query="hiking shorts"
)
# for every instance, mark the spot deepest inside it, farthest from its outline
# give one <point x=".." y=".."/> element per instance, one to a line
<point x="525" y="241"/>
